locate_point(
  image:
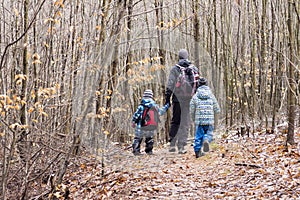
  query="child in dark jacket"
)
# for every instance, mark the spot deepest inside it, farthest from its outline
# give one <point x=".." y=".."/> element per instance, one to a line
<point x="140" y="131"/>
<point x="203" y="106"/>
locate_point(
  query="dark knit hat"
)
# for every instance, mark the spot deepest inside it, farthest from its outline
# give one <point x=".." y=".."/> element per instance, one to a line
<point x="148" y="94"/>
<point x="202" y="81"/>
<point x="183" y="54"/>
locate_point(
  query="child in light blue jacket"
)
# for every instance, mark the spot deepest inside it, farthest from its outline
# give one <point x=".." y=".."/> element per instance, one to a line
<point x="203" y="106"/>
<point x="140" y="131"/>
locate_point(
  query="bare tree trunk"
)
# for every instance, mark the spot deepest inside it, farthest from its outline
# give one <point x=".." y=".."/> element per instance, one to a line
<point x="273" y="88"/>
<point x="216" y="72"/>
<point x="297" y="28"/>
<point x="22" y="141"/>
<point x="232" y="82"/>
<point x="128" y="60"/>
<point x="291" y="78"/>
<point x="242" y="15"/>
<point x="196" y="33"/>
<point x="162" y="54"/>
<point x="253" y="65"/>
<point x="115" y="60"/>
<point x="236" y="62"/>
<point x="102" y="37"/>
<point x="225" y="64"/>
<point x="263" y="69"/>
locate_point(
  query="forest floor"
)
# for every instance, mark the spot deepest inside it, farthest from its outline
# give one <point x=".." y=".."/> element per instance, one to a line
<point x="259" y="167"/>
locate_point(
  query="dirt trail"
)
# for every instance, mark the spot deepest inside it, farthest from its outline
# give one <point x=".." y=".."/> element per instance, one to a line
<point x="233" y="169"/>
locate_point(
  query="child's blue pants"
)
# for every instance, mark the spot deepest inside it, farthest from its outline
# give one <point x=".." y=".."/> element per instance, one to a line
<point x="203" y="132"/>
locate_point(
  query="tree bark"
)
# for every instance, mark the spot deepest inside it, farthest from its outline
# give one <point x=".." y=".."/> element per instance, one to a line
<point x="291" y="78"/>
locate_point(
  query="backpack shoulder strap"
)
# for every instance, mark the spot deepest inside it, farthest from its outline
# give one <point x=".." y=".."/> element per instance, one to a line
<point x="146" y="107"/>
<point x="195" y="70"/>
<point x="193" y="67"/>
<point x="144" y="113"/>
<point x="180" y="67"/>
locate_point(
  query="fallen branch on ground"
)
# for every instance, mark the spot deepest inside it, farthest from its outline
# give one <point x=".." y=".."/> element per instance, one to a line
<point x="247" y="165"/>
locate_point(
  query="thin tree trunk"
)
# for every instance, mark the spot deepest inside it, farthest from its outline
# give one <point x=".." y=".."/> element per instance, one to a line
<point x="161" y="52"/>
<point x="225" y="64"/>
<point x="242" y="13"/>
<point x="22" y="142"/>
<point x="115" y="60"/>
<point x="263" y="63"/>
<point x="196" y="33"/>
<point x="128" y="61"/>
<point x="291" y="78"/>
<point x="230" y="63"/>
<point x="253" y="65"/>
<point x="216" y="73"/>
<point x="273" y="86"/>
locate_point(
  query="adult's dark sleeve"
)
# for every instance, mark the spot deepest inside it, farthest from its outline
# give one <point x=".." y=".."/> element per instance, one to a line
<point x="168" y="96"/>
<point x="171" y="84"/>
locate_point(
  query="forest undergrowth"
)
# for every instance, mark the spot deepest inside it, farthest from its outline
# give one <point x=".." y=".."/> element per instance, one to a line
<point x="259" y="167"/>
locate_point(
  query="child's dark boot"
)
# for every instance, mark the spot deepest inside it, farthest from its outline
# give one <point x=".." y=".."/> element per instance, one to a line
<point x="198" y="154"/>
<point x="136" y="146"/>
<point x="206" y="146"/>
<point x="149" y="145"/>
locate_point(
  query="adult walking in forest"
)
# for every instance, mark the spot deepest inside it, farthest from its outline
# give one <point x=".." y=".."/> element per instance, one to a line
<point x="181" y="86"/>
<point x="203" y="107"/>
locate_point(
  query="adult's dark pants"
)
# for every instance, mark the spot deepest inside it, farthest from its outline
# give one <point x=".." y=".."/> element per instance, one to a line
<point x="180" y="123"/>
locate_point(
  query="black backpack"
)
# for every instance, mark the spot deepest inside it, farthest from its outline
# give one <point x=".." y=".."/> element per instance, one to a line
<point x="150" y="118"/>
<point x="187" y="82"/>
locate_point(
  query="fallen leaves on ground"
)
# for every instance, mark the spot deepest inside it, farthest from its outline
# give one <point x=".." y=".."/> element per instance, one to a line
<point x="235" y="168"/>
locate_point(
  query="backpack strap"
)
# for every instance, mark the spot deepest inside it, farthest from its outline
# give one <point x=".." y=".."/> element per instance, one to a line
<point x="180" y="67"/>
<point x="195" y="75"/>
<point x="191" y="66"/>
<point x="146" y="109"/>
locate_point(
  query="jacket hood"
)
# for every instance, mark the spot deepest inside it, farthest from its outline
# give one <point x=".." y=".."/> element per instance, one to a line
<point x="148" y="102"/>
<point x="204" y="92"/>
<point x="184" y="62"/>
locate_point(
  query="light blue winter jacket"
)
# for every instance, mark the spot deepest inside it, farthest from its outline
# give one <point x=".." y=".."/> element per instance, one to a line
<point x="203" y="106"/>
<point x="147" y="102"/>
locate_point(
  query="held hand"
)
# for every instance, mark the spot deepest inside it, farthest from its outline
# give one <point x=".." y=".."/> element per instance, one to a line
<point x="167" y="106"/>
<point x="168" y="103"/>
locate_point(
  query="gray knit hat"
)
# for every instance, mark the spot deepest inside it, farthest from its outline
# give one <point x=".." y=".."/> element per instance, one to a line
<point x="148" y="94"/>
<point x="183" y="54"/>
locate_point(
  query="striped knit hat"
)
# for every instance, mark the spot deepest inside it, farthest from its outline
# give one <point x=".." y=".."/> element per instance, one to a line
<point x="148" y="94"/>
